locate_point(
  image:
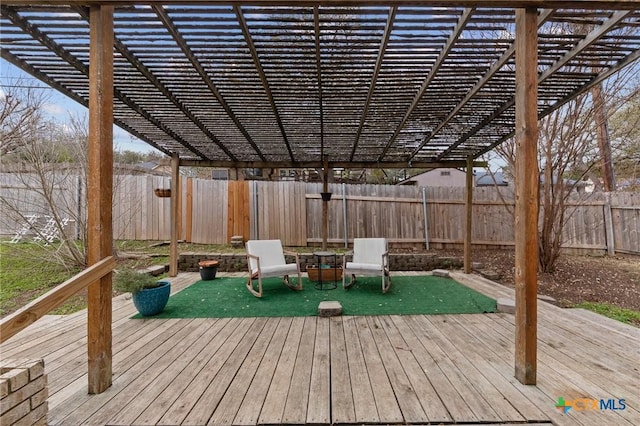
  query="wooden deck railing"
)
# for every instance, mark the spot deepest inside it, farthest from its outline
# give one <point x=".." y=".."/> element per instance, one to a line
<point x="12" y="324"/>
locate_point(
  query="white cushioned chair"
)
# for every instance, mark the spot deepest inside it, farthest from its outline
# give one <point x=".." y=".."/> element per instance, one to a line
<point x="265" y="259"/>
<point x="370" y="258"/>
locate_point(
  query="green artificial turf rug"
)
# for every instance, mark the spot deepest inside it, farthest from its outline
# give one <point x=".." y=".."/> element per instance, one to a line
<point x="409" y="295"/>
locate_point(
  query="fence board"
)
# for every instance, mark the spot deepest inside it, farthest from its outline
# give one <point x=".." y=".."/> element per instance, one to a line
<point x="292" y="212"/>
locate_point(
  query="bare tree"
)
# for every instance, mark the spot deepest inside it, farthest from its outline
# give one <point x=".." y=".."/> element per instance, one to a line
<point x="568" y="154"/>
<point x="48" y="166"/>
<point x="20" y="116"/>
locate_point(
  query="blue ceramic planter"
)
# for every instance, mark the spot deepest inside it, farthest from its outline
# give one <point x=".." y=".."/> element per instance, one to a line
<point x="151" y="301"/>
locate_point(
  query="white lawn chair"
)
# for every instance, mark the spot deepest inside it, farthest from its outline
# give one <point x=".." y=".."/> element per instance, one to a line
<point x="371" y="258"/>
<point x="265" y="259"/>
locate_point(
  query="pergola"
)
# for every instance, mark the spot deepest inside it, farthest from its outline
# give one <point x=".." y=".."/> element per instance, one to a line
<point x="329" y="83"/>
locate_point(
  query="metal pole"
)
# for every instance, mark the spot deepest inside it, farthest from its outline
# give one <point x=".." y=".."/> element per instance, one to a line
<point x="426" y="221"/>
<point x="344" y="214"/>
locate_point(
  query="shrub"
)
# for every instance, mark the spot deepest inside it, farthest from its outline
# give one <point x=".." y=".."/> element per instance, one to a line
<point x="129" y="281"/>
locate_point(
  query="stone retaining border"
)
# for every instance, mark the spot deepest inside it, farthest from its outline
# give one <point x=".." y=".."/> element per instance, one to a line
<point x="237" y="262"/>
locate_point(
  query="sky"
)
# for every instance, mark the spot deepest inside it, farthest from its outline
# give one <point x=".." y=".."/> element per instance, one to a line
<point x="60" y="108"/>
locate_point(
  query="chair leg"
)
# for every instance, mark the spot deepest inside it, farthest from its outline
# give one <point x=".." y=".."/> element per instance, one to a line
<point x="291" y="286"/>
<point x="250" y="286"/>
<point x="386" y="281"/>
<point x="351" y="282"/>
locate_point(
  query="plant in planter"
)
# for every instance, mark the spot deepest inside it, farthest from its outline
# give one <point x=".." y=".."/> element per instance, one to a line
<point x="149" y="295"/>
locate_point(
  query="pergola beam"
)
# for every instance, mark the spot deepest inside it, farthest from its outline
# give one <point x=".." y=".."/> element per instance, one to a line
<point x="332" y="164"/>
<point x="577" y="49"/>
<point x="51" y="44"/>
<point x="263" y="78"/>
<point x="544" y="15"/>
<point x="551" y="4"/>
<point x="151" y="78"/>
<point x="451" y="41"/>
<point x="598" y="79"/>
<point x="168" y="23"/>
<point x="374" y="78"/>
<point x="316" y="31"/>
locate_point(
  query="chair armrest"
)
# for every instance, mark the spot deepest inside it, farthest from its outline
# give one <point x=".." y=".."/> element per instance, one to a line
<point x="344" y="258"/>
<point x="253" y="256"/>
<point x="295" y="254"/>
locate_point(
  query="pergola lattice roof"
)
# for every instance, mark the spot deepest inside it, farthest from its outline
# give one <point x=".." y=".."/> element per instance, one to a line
<point x="283" y="85"/>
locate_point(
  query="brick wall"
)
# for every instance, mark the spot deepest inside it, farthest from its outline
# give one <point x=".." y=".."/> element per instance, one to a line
<point x="23" y="393"/>
<point x="188" y="262"/>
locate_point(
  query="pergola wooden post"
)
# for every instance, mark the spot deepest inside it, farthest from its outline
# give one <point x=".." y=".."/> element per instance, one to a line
<point x="100" y="188"/>
<point x="526" y="208"/>
<point x="468" y="209"/>
<point x="175" y="214"/>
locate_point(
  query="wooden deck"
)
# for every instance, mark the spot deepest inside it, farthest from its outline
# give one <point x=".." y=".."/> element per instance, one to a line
<point x="343" y="370"/>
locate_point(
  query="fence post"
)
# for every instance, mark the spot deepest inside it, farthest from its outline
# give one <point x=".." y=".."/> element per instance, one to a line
<point x="426" y="220"/>
<point x="608" y="225"/>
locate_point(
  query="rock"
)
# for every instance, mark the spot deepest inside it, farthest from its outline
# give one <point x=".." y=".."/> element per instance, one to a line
<point x="477" y="265"/>
<point x="329" y="309"/>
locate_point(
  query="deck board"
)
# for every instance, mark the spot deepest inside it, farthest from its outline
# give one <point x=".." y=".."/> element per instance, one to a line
<point x="297" y="400"/>
<point x="364" y="403"/>
<point x="342" y="404"/>
<point x="278" y="392"/>
<point x="360" y="370"/>
<point x="388" y="408"/>
<point x="319" y="401"/>
<point x="405" y="393"/>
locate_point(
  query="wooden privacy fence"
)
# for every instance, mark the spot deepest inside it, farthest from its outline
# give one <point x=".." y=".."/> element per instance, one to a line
<point x="213" y="211"/>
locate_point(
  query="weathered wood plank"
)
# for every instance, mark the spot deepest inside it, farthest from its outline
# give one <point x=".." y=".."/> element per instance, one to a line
<point x="342" y="403"/>
<point x="161" y="403"/>
<point x="446" y="390"/>
<point x="558" y="378"/>
<point x="363" y="400"/>
<point x="250" y="376"/>
<point x="247" y="331"/>
<point x="474" y="400"/>
<point x="431" y="402"/>
<point x="406" y="396"/>
<point x="297" y="401"/>
<point x="388" y="408"/>
<point x="216" y="389"/>
<point x="318" y="409"/>
<point x="156" y="373"/>
<point x="278" y="393"/>
<point x="87" y="405"/>
<point x="250" y="408"/>
<point x="172" y="367"/>
<point x="502" y="407"/>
